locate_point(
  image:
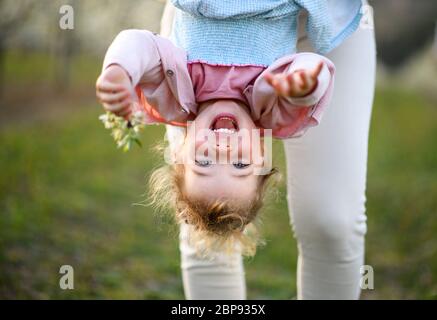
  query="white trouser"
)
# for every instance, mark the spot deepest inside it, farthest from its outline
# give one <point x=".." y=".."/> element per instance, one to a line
<point x="326" y="178"/>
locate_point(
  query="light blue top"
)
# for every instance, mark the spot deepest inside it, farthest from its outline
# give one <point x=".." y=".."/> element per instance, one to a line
<point x="258" y="32"/>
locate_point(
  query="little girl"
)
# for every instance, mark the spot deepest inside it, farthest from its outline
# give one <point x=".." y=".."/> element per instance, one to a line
<point x="231" y="66"/>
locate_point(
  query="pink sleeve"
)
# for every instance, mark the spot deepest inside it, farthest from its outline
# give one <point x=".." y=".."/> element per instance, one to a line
<point x="291" y="117"/>
<point x="136" y="52"/>
<point x="309" y="61"/>
<point x="159" y="73"/>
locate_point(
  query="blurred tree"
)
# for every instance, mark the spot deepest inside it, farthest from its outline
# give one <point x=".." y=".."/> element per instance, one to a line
<point x="403" y="27"/>
<point x="12" y="15"/>
<point x="96" y="24"/>
<point x="66" y="45"/>
<point x="434" y="45"/>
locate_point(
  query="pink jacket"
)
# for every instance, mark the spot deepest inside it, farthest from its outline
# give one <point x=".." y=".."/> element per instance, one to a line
<point x="159" y="72"/>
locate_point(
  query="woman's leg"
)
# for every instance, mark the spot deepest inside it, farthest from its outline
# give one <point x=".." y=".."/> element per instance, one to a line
<point x="326" y="171"/>
<point x="220" y="277"/>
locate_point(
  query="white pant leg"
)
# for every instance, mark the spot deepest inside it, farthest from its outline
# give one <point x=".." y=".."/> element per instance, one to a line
<point x="220" y="277"/>
<point x="326" y="177"/>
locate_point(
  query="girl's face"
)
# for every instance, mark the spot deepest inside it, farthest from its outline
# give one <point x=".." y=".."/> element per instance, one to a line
<point x="218" y="153"/>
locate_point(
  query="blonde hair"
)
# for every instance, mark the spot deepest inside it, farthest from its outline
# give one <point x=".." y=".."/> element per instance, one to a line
<point x="214" y="226"/>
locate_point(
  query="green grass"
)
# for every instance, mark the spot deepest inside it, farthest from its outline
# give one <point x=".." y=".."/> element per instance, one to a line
<point x="402" y="196"/>
<point x="24" y="68"/>
<point x="67" y="194"/>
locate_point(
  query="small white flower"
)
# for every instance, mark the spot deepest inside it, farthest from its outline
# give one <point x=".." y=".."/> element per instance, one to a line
<point x="138" y="114"/>
<point x="124" y="132"/>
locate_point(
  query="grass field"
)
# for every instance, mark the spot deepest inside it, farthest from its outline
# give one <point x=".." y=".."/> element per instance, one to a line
<point x="67" y="195"/>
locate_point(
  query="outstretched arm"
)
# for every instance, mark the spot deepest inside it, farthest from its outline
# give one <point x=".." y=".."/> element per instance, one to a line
<point x="305" y="81"/>
<point x="292" y="93"/>
<point x="296" y="84"/>
<point x="132" y="58"/>
<point x="114" y="90"/>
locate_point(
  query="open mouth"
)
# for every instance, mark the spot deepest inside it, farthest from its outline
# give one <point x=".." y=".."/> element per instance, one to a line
<point x="224" y="123"/>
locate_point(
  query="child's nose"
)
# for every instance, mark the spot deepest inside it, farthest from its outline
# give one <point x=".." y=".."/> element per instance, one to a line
<point x="222" y="147"/>
<point x="227" y="151"/>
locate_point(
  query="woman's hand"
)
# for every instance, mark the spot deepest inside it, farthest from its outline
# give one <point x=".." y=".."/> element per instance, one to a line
<point x="114" y="91"/>
<point x="296" y="84"/>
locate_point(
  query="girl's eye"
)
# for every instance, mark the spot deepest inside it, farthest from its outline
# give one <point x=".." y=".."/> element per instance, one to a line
<point x="240" y="165"/>
<point x="203" y="163"/>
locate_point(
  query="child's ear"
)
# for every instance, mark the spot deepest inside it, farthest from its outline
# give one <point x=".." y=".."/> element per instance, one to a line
<point x="176" y="139"/>
<point x="177" y="156"/>
<point x="263" y="160"/>
<point x="173" y="154"/>
<point x="258" y="166"/>
<point x="262" y="164"/>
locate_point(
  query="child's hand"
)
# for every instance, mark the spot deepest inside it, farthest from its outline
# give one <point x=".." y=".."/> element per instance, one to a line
<point x="114" y="91"/>
<point x="296" y="84"/>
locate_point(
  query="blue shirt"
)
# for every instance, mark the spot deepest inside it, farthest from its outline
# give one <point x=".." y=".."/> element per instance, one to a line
<point x="258" y="32"/>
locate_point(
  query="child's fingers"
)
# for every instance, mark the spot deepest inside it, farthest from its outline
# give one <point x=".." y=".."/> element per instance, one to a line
<point x="295" y="84"/>
<point x="303" y="80"/>
<point x="125" y="112"/>
<point x="106" y="86"/>
<point x="290" y="79"/>
<point x="112" y="97"/>
<point x="315" y="73"/>
<point x="300" y="83"/>
<point x="117" y="106"/>
<point x="280" y="84"/>
<point x="269" y="78"/>
<point x="276" y="83"/>
<point x="273" y="81"/>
